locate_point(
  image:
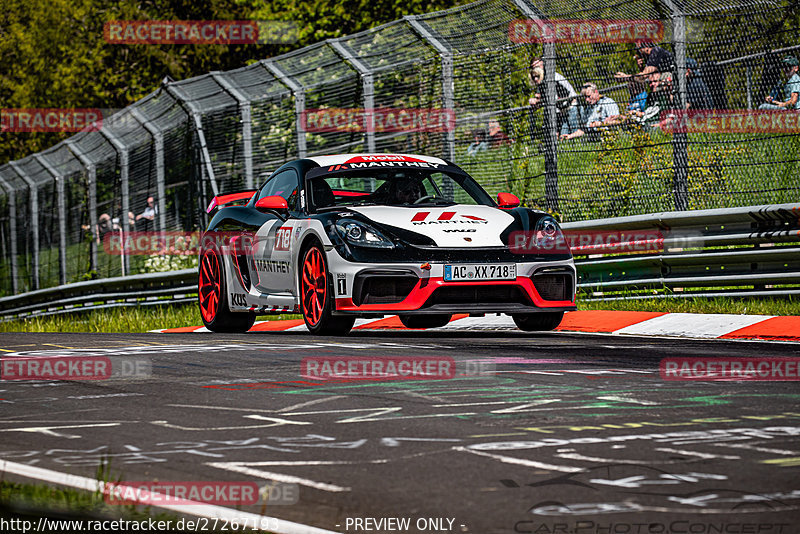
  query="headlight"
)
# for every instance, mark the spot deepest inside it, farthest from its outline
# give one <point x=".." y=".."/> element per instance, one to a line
<point x="548" y="235"/>
<point x="361" y="234"/>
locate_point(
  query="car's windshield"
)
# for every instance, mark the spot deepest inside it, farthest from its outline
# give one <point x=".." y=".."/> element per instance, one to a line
<point x="395" y="187"/>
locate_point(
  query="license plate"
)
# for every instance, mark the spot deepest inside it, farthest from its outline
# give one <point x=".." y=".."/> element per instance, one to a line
<point x="468" y="273"/>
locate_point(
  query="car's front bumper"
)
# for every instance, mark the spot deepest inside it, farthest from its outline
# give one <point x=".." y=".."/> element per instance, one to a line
<point x="420" y="288"/>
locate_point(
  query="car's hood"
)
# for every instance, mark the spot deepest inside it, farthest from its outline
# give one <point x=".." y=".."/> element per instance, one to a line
<point x="452" y="226"/>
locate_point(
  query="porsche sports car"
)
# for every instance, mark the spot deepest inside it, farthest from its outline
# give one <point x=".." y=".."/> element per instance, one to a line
<point x="365" y="235"/>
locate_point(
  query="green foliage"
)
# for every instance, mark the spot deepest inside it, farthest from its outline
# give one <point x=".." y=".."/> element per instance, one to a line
<point x="752" y="306"/>
<point x="632" y="172"/>
<point x="53" y="54"/>
<point x="124" y="320"/>
<point x="324" y="19"/>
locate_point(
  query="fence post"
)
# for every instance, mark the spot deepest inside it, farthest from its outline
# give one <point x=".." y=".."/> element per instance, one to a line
<point x="247" y="125"/>
<point x="34" y="217"/>
<point x="178" y="94"/>
<point x="62" y="217"/>
<point x="749" y="72"/>
<point x="124" y="168"/>
<point x="12" y="229"/>
<point x="680" y="155"/>
<point x="299" y="103"/>
<point x="448" y="86"/>
<point x="368" y="87"/>
<point x="550" y="126"/>
<point x="91" y="170"/>
<point x="158" y="144"/>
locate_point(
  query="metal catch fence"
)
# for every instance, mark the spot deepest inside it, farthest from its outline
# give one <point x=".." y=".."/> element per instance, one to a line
<point x="498" y="86"/>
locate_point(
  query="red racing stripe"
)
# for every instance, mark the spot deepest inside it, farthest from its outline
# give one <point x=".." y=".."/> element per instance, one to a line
<point x="603" y="320"/>
<point x="785" y="328"/>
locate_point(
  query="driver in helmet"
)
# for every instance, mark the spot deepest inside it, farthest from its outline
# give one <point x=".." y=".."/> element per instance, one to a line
<point x="404" y="191"/>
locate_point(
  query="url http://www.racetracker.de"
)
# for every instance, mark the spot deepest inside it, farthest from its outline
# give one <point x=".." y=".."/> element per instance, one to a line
<point x="201" y="524"/>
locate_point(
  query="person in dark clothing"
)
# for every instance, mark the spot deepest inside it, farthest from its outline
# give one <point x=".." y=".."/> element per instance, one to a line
<point x="698" y="95"/>
<point x="656" y="60"/>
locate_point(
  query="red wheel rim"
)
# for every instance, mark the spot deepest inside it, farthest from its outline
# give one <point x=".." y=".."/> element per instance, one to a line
<point x="314" y="285"/>
<point x="209" y="291"/>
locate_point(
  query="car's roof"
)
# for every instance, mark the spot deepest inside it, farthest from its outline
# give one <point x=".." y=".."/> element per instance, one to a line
<point x="339" y="159"/>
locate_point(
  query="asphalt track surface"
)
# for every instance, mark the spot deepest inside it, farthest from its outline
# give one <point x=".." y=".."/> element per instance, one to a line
<point x="572" y="433"/>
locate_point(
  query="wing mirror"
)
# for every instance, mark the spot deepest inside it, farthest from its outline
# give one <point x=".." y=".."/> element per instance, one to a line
<point x="506" y="201"/>
<point x="273" y="203"/>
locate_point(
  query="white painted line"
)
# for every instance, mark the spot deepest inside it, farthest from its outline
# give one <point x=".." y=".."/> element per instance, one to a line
<point x="759" y="449"/>
<point x="697" y="325"/>
<point x="521" y="461"/>
<point x="489" y="322"/>
<point x="703" y="455"/>
<point x="309" y="403"/>
<point x="51" y="430"/>
<point x="246" y="469"/>
<point x="197" y="509"/>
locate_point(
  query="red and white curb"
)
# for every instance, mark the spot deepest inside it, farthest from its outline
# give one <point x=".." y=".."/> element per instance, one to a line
<point x="684" y="325"/>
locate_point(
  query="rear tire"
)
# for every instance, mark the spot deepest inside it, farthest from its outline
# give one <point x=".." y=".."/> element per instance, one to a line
<point x="538" y="322"/>
<point x="425" y="321"/>
<point x="316" y="295"/>
<point x="212" y="297"/>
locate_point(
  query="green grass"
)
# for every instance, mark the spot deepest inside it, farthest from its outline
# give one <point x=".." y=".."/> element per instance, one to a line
<point x="122" y="320"/>
<point x="631" y="173"/>
<point x="47" y="500"/>
<point x="765" y="306"/>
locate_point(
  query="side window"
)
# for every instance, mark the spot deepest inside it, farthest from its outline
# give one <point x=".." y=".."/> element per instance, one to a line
<point x="440" y="184"/>
<point x="284" y="184"/>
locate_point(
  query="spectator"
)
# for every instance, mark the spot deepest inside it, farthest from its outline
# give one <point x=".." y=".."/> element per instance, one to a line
<point x="697" y="94"/>
<point x="637" y="89"/>
<point x="566" y="97"/>
<point x="104" y="226"/>
<point x="656" y="60"/>
<point x="145" y="219"/>
<point x="659" y="100"/>
<point x="597" y="111"/>
<point x="497" y="137"/>
<point x="479" y="144"/>
<point x="791" y="89"/>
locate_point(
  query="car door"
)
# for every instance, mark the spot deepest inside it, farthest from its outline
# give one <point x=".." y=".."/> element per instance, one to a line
<point x="273" y="241"/>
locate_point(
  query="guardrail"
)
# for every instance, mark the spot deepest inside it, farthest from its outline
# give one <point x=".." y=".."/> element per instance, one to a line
<point x="751" y="251"/>
<point x="173" y="287"/>
<point x="736" y="252"/>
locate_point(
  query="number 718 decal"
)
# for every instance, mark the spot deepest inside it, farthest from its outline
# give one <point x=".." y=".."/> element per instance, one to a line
<point x="283" y="237"/>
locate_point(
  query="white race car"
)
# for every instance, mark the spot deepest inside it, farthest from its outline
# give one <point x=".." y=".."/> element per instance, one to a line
<point x="366" y="235"/>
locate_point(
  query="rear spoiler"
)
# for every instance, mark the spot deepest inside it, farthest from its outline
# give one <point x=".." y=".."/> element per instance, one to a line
<point x="221" y="200"/>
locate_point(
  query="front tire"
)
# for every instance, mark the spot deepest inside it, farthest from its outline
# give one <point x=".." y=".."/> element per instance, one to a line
<point x="212" y="297"/>
<point x="538" y="322"/>
<point x="316" y="295"/>
<point x="425" y="321"/>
